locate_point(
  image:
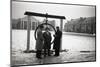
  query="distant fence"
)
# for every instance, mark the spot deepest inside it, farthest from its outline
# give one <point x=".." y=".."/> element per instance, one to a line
<point x="22" y="25"/>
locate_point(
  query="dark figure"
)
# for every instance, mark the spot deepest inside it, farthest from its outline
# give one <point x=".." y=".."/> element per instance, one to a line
<point x="57" y="41"/>
<point x="39" y="42"/>
<point x="47" y="42"/>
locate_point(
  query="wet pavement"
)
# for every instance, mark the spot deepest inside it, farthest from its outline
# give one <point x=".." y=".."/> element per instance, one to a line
<point x="80" y="48"/>
<point x="21" y="58"/>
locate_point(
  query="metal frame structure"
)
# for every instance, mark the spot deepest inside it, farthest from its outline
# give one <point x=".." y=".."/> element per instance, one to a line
<point x="29" y="14"/>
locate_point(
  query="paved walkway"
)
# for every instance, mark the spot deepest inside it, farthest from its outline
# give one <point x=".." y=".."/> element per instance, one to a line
<point x="20" y="58"/>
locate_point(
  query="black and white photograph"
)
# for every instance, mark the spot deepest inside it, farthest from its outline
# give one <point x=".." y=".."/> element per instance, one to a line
<point x="52" y="33"/>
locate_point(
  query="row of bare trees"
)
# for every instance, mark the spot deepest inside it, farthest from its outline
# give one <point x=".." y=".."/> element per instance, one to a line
<point x="81" y="25"/>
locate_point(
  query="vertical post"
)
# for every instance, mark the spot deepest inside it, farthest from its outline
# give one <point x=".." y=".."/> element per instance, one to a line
<point x="61" y="27"/>
<point x="35" y="25"/>
<point x="85" y="27"/>
<point x="46" y="19"/>
<point x="31" y="26"/>
<point x="23" y="24"/>
<point x="73" y="28"/>
<point x="61" y="24"/>
<point x="20" y="23"/>
<point x="28" y="33"/>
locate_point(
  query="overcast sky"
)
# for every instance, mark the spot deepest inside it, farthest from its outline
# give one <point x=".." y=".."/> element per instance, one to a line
<point x="69" y="11"/>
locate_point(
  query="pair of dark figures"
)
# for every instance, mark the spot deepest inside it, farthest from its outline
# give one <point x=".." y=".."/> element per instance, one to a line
<point x="47" y="42"/>
<point x="44" y="42"/>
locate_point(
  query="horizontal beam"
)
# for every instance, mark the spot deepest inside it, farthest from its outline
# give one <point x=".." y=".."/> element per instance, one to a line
<point x="43" y="15"/>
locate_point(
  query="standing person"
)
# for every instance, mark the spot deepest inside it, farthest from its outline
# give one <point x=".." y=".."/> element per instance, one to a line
<point x="57" y="41"/>
<point x="47" y="42"/>
<point x="39" y="42"/>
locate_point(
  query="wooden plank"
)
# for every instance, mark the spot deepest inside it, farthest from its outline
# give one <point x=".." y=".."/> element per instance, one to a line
<point x="43" y="15"/>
